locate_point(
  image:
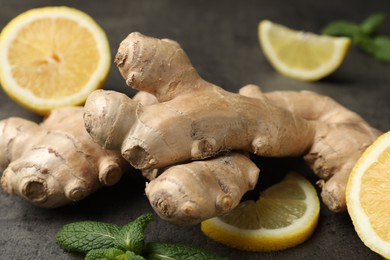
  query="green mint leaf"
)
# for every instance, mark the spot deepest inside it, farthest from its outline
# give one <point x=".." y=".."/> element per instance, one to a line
<point x="84" y="236"/>
<point x="106" y="254"/>
<point x="342" y="28"/>
<point x="364" y="36"/>
<point x="378" y="47"/>
<point x="371" y="23"/>
<point x="366" y="44"/>
<point x="131" y="236"/>
<point x="171" y="251"/>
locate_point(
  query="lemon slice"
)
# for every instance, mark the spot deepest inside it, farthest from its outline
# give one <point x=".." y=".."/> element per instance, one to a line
<point x="368" y="196"/>
<point x="52" y="57"/>
<point x="285" y="215"/>
<point x="301" y="55"/>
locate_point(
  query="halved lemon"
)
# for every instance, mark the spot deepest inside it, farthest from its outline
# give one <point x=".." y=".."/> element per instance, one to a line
<point x="285" y="215"/>
<point x="301" y="55"/>
<point x="368" y="196"/>
<point x="52" y="57"/>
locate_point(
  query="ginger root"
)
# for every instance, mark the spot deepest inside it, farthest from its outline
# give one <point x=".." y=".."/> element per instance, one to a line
<point x="56" y="162"/>
<point x="341" y="136"/>
<point x="220" y="184"/>
<point x="189" y="193"/>
<point x="194" y="119"/>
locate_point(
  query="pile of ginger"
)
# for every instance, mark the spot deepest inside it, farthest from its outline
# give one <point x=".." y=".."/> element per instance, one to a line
<point x="190" y="138"/>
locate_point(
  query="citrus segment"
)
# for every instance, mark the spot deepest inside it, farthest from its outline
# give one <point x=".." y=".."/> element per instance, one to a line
<point x="301" y="55"/>
<point x="52" y="57"/>
<point x="368" y="196"/>
<point x="285" y="215"/>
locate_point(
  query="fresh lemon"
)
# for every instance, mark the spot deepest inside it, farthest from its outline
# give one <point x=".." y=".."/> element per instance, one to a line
<point x="301" y="55"/>
<point x="52" y="57"/>
<point x="285" y="215"/>
<point x="368" y="196"/>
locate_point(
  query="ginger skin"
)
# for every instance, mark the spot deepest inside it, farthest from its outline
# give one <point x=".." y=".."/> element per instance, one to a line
<point x="54" y="163"/>
<point x="220" y="184"/>
<point x="187" y="194"/>
<point x="341" y="137"/>
<point x="195" y="119"/>
<point x="192" y="120"/>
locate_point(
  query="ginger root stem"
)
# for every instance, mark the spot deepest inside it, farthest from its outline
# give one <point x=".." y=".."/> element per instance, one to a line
<point x="194" y="119"/>
<point x="190" y="119"/>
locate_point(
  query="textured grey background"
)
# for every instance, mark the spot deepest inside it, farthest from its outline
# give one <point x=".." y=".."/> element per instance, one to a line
<point x="220" y="38"/>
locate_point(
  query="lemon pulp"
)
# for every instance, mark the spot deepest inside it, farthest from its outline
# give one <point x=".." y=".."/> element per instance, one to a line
<point x="368" y="196"/>
<point x="52" y="57"/>
<point x="301" y="55"/>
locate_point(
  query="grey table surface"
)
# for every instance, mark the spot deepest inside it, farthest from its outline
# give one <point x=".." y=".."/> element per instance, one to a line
<point x="220" y="38"/>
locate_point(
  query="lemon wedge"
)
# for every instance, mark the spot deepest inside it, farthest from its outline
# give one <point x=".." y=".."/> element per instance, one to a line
<point x="301" y="55"/>
<point x="368" y="196"/>
<point x="52" y="57"/>
<point x="285" y="215"/>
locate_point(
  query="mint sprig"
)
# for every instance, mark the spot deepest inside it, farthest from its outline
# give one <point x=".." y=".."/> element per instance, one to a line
<point x="364" y="35"/>
<point x="100" y="240"/>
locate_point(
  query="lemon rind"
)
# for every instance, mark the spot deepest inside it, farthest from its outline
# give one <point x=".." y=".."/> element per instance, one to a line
<point x="270" y="239"/>
<point x="362" y="223"/>
<point x="341" y="46"/>
<point x="26" y="97"/>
